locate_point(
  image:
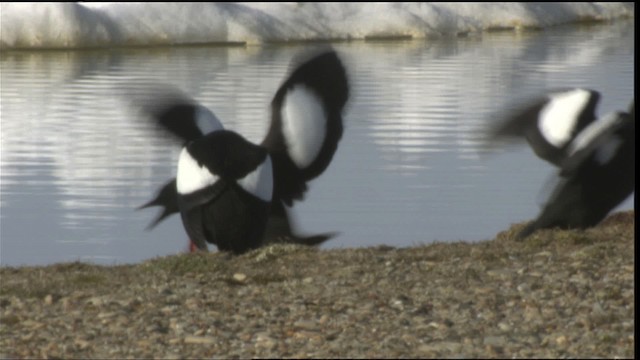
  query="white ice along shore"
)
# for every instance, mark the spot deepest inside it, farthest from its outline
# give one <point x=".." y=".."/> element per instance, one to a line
<point x="77" y="25"/>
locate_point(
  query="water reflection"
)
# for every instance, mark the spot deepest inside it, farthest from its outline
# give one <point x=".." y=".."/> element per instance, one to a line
<point x="75" y="162"/>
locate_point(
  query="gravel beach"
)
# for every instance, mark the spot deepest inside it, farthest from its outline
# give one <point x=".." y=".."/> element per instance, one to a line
<point x="557" y="294"/>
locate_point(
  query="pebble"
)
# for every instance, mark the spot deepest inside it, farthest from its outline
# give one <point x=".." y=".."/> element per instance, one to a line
<point x="239" y="277"/>
<point x="306" y="324"/>
<point x="200" y="340"/>
<point x="561" y="340"/>
<point x="95" y="301"/>
<point x="496" y="341"/>
<point x="263" y="340"/>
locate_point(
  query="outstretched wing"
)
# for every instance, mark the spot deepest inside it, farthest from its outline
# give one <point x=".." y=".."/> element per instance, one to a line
<point x="306" y="123"/>
<point x="599" y="142"/>
<point x="175" y="112"/>
<point x="549" y="122"/>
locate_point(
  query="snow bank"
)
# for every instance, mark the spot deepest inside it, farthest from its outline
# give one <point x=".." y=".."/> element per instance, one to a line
<point x="77" y="25"/>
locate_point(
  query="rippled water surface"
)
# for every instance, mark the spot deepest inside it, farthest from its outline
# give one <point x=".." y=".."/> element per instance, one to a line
<point x="411" y="169"/>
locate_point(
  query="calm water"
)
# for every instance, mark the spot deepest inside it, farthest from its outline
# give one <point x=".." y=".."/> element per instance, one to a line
<point x="75" y="163"/>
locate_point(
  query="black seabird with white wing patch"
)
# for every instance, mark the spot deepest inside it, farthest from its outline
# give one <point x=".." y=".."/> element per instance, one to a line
<point x="222" y="181"/>
<point x="595" y="157"/>
<point x="597" y="176"/>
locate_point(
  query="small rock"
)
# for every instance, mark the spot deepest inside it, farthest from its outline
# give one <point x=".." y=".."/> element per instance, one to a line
<point x="433" y="324"/>
<point x="561" y="340"/>
<point x="32" y="324"/>
<point x="495" y="341"/>
<point x="397" y="304"/>
<point x="106" y="315"/>
<point x="144" y="343"/>
<point x="504" y="326"/>
<point x="531" y="313"/>
<point x="239" y="277"/>
<point x="48" y="300"/>
<point x="265" y="341"/>
<point x="305" y="324"/>
<point x="202" y="340"/>
<point x="81" y="343"/>
<point x="536" y="274"/>
<point x="192" y="303"/>
<point x="66" y="303"/>
<point x="95" y="301"/>
<point x="543" y="254"/>
<point x="167" y="309"/>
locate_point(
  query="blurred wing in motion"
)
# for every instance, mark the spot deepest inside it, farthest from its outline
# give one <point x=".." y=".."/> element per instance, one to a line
<point x="549" y="123"/>
<point x="174" y="112"/>
<point x="306" y="123"/>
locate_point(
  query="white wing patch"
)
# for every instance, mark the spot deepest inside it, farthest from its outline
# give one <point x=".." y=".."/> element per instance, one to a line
<point x="191" y="176"/>
<point x="260" y="181"/>
<point x="560" y="116"/>
<point x="304" y="125"/>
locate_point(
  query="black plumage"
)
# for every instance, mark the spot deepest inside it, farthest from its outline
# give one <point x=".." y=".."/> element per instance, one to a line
<point x="306" y="126"/>
<point x="592" y="180"/>
<point x="595" y="157"/>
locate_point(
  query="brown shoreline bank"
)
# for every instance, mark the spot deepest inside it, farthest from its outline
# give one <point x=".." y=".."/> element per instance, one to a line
<point x="557" y="294"/>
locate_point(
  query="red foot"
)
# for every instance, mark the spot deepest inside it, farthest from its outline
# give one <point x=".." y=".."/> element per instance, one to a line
<point x="192" y="247"/>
